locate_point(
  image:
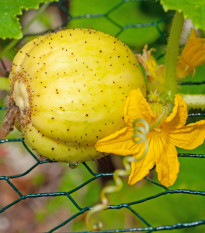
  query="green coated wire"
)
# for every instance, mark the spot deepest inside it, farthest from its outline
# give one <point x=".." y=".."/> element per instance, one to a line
<point x="95" y="176"/>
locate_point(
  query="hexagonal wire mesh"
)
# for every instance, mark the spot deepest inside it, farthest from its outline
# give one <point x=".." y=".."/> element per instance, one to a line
<point x="109" y="21"/>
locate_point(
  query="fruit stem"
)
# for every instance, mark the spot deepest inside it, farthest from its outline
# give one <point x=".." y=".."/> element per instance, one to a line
<point x="172" y="54"/>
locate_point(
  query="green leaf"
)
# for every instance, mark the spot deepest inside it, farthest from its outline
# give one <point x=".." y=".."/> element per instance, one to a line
<point x="9" y="12"/>
<point x="195" y="10"/>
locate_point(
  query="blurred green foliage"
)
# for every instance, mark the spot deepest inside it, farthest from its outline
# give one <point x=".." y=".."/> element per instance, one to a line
<point x="147" y="24"/>
<point x="4" y="84"/>
<point x="198" y="77"/>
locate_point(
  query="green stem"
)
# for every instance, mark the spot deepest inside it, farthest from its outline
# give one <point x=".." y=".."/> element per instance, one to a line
<point x="11" y="45"/>
<point x="39" y="12"/>
<point x="194" y="101"/>
<point x="172" y="54"/>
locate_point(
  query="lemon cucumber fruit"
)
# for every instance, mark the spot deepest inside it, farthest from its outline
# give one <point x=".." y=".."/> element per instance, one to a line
<point x="68" y="90"/>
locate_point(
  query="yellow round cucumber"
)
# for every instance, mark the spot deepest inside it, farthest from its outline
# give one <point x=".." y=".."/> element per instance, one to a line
<point x="69" y="89"/>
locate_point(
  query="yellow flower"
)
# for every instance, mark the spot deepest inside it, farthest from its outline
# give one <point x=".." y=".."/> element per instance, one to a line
<point x="193" y="55"/>
<point x="162" y="140"/>
<point x="154" y="72"/>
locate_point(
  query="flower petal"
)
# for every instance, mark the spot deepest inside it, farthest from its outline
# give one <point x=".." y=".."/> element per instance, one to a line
<point x="119" y="143"/>
<point x="164" y="154"/>
<point x="142" y="167"/>
<point x="136" y="106"/>
<point x="189" y="136"/>
<point x="178" y="117"/>
<point x="193" y="55"/>
<point x="167" y="164"/>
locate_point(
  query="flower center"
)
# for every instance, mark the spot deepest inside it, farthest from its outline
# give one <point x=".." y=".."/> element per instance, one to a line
<point x="161" y="111"/>
<point x="157" y="108"/>
<point x="158" y="129"/>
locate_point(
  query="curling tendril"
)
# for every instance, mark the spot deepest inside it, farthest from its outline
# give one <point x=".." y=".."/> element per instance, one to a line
<point x="140" y="131"/>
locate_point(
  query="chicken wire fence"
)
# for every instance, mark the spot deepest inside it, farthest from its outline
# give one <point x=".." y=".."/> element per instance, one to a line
<point x="146" y="226"/>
